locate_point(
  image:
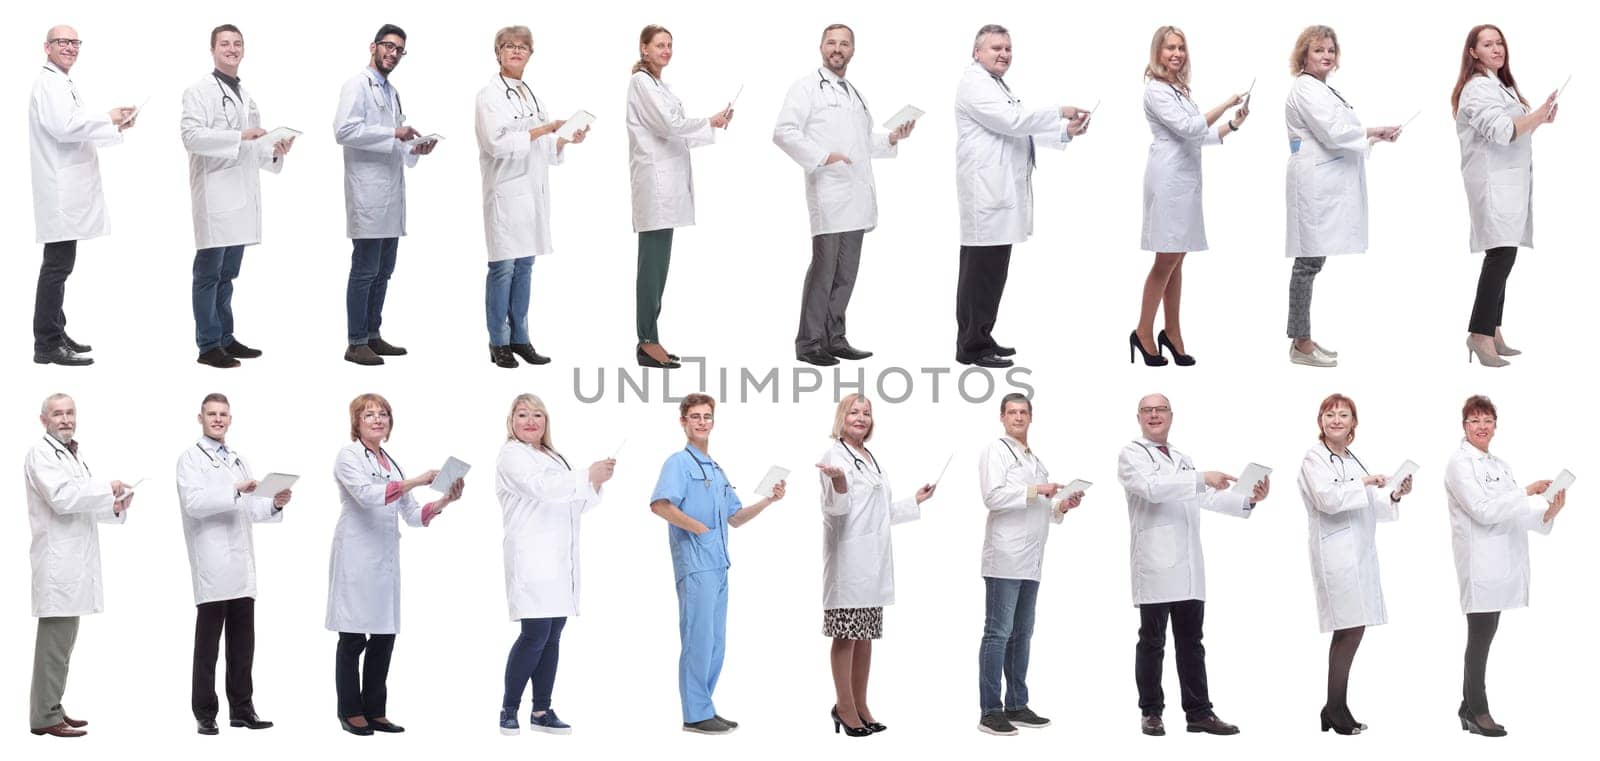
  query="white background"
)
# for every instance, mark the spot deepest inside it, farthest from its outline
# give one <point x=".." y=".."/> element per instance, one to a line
<point x="1396" y="314"/>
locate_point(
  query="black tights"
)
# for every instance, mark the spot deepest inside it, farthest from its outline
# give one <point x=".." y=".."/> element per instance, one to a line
<point x="1341" y="654"/>
<point x="1480" y="634"/>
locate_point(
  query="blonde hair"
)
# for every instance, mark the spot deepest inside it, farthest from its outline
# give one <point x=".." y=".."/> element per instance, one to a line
<point x="645" y="36"/>
<point x="534" y="403"/>
<point x="1302" y="46"/>
<point x="506" y="34"/>
<point x="1156" y="69"/>
<point x="843" y="411"/>
<point x="359" y="405"/>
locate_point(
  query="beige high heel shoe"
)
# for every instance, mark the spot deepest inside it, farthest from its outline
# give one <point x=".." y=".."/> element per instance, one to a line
<point x="1487" y="359"/>
<point x="1501" y="348"/>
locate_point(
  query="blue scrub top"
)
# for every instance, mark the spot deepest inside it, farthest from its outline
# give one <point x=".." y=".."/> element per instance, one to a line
<point x="696" y="485"/>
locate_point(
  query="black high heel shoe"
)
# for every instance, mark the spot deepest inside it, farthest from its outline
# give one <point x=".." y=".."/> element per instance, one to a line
<point x="1333" y="723"/>
<point x="876" y="727"/>
<point x="645" y="360"/>
<point x="848" y="730"/>
<point x="1470" y="723"/>
<point x="1183" y="360"/>
<point x="1152" y="360"/>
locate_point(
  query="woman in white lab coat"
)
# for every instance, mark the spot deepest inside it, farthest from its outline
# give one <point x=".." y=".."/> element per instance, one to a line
<point x="1173" y="215"/>
<point x="660" y="135"/>
<point x="517" y="145"/>
<point x="1344" y="505"/>
<point x="1495" y="126"/>
<point x="857" y="558"/>
<point x="1327" y="181"/>
<point x="541" y="501"/>
<point x="1489" y="524"/>
<point x="364" y="570"/>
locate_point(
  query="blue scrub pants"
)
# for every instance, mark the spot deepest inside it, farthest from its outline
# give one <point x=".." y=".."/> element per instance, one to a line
<point x="702" y="630"/>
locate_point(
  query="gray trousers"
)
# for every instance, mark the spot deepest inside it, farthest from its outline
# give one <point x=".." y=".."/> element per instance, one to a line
<point x="829" y="281"/>
<point x="1300" y="279"/>
<point x="52" y="651"/>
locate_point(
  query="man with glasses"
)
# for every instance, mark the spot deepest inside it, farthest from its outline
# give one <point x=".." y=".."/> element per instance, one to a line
<point x="68" y="205"/>
<point x="378" y="147"/>
<point x="1165" y="496"/>
<point x="222" y="131"/>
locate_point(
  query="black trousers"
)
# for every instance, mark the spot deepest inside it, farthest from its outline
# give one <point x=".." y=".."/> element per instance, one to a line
<point x="979" y="285"/>
<point x="363" y="687"/>
<point x="238" y="618"/>
<point x="1188" y="619"/>
<point x="1480" y="634"/>
<point x="49" y="320"/>
<point x="1489" y="306"/>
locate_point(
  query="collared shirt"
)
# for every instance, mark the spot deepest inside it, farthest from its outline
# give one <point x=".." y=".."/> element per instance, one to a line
<point x="695" y="484"/>
<point x="231" y="81"/>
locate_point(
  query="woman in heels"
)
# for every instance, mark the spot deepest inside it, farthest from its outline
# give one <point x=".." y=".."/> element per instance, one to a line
<point x="1496" y="128"/>
<point x="1173" y="224"/>
<point x="1344" y="505"/>
<point x="857" y="558"/>
<point x="1489" y="524"/>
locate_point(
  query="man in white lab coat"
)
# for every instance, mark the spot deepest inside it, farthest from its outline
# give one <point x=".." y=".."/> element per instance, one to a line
<point x="826" y="127"/>
<point x="995" y="145"/>
<point x="222" y="131"/>
<point x="67" y="203"/>
<point x="219" y="499"/>
<point x="65" y="504"/>
<point x="378" y="147"/>
<point x="1165" y="497"/>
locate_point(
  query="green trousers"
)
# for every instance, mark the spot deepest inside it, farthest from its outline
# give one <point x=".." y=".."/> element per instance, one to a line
<point x="52" y="651"/>
<point x="655" y="255"/>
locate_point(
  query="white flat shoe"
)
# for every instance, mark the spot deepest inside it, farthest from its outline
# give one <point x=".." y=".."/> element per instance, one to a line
<point x="1314" y="359"/>
<point x="1324" y="351"/>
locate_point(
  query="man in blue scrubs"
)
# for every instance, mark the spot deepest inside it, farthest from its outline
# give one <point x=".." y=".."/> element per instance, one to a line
<point x="694" y="497"/>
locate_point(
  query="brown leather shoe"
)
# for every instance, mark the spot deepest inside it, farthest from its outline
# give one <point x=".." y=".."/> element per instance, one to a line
<point x="1212" y="725"/>
<point x="74" y="723"/>
<point x="62" y="729"/>
<point x="1151" y="725"/>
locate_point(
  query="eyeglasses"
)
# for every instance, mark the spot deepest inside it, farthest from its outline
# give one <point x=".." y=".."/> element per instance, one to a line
<point x="66" y="43"/>
<point x="515" y="47"/>
<point x="1156" y="410"/>
<point x="390" y="46"/>
<point x="371" y="415"/>
<point x="697" y="417"/>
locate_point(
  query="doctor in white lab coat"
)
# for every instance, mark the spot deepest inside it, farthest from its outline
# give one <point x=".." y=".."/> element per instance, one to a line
<point x="63" y="138"/>
<point x="660" y="135"/>
<point x="1165" y="497"/>
<point x="826" y="127"/>
<point x="217" y="494"/>
<point x="371" y="125"/>
<point x="1344" y="505"/>
<point x="1326" y="190"/>
<point x="996" y="139"/>
<point x="1174" y="222"/>
<point x="364" y="567"/>
<point x="221" y="129"/>
<point x="1489" y="524"/>
<point x="858" y="509"/>
<point x="542" y="500"/>
<point x="517" y="145"/>
<point x="1495" y="125"/>
<point x="66" y="502"/>
<point x="1023" y="503"/>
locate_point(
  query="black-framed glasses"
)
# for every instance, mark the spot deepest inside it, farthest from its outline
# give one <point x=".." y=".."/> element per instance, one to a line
<point x="1163" y="410"/>
<point x="515" y="47"/>
<point x="399" y="50"/>
<point x="66" y="42"/>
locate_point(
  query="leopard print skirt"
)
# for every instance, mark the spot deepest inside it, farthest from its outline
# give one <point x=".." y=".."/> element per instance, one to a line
<point x="853" y="623"/>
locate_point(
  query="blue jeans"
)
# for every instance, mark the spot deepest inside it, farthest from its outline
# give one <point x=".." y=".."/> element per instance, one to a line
<point x="214" y="271"/>
<point x="371" y="264"/>
<point x="505" y="300"/>
<point x="533" y="658"/>
<point x="1007" y="633"/>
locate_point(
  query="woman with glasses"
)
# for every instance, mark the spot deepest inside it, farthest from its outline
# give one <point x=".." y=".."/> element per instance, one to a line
<point x="1344" y="505"/>
<point x="1489" y="523"/>
<point x="517" y="144"/>
<point x="364" y="571"/>
<point x="857" y="558"/>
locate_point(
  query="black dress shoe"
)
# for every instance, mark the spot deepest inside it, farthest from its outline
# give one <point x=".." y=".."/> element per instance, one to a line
<point x="817" y="357"/>
<point x="384" y="726"/>
<point x="383" y="348"/>
<point x="207" y="726"/>
<point x="353" y="729"/>
<point x="987" y="360"/>
<point x="217" y="358"/>
<point x="844" y="350"/>
<point x="501" y="355"/>
<point x="61" y="355"/>
<point x="249" y="721"/>
<point x="67" y="341"/>
<point x="1151" y="725"/>
<point x="240" y="351"/>
<point x="1004" y="351"/>
<point x="1212" y="725"/>
<point x="528" y="354"/>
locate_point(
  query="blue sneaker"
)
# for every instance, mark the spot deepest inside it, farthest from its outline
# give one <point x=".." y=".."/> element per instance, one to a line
<point x="508" y="722"/>
<point x="549" y="723"/>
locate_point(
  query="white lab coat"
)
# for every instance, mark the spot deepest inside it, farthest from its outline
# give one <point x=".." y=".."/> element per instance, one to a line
<point x="1489" y="524"/>
<point x="216" y="522"/>
<point x="1174" y="218"/>
<point x="364" y="569"/>
<point x="1343" y="517"/>
<point x="1327" y="179"/>
<point x="659" y="138"/>
<point x="1496" y="165"/>
<point x="857" y="555"/>
<point x="1165" y="496"/>
<point x="994" y="170"/>
<point x="374" y="159"/>
<point x="1019" y="520"/>
<point x="818" y="118"/>
<point x="516" y="171"/>
<point x="224" y="171"/>
<point x="65" y="504"/>
<point x="62" y="138"/>
<point x="541" y="501"/>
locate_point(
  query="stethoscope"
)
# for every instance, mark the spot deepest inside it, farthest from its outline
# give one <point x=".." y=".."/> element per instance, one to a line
<point x="858" y="461"/>
<point x="226" y="99"/>
<point x="215" y="463"/>
<point x="1330" y="89"/>
<point x="1018" y="458"/>
<point x="554" y="455"/>
<point x="704" y="478"/>
<point x="514" y="96"/>
<point x="823" y="82"/>
<point x="376" y="470"/>
<point x="1182" y="96"/>
<point x="60" y="450"/>
<point x="379" y="98"/>
<point x="1343" y="477"/>
<point x="1012" y="99"/>
<point x="70" y="87"/>
<point x="1181" y="466"/>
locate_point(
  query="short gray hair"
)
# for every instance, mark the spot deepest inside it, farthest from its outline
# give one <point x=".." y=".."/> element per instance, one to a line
<point x="44" y="407"/>
<point x="989" y="29"/>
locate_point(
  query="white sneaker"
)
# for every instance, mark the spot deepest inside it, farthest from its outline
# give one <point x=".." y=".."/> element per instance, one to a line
<point x="1314" y="359"/>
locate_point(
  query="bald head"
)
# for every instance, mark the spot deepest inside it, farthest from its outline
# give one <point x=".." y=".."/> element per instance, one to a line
<point x="1155" y="417"/>
<point x="61" y="46"/>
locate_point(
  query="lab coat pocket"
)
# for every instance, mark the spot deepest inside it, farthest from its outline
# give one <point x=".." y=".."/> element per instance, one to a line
<point x="540" y="564"/>
<point x="1507" y="195"/>
<point x="68" y="559"/>
<point x="1339" y="549"/>
<point x="1491" y="557"/>
<point x="672" y="183"/>
<point x="1158" y="547"/>
<point x="78" y="186"/>
<point x="835" y="188"/>
<point x="996" y="189"/>
<point x="224" y="191"/>
<point x="513" y="221"/>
